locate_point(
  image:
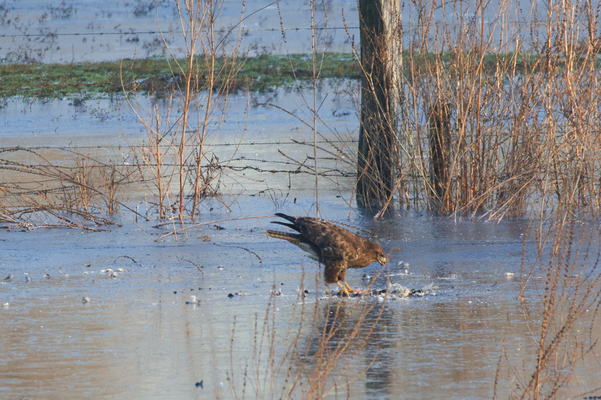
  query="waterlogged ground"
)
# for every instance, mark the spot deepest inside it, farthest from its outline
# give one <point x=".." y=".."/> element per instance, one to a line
<point x="136" y="338"/>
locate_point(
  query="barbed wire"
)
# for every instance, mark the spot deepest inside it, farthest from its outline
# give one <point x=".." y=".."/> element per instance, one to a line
<point x="125" y="146"/>
<point x="163" y="32"/>
<point x="279" y="29"/>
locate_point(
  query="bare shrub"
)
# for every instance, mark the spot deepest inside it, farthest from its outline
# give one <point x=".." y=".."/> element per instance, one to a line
<point x="522" y="108"/>
<point x="200" y="86"/>
<point x="62" y="11"/>
<point x="78" y="193"/>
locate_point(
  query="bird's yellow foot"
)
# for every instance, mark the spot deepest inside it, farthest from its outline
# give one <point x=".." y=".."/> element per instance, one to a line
<point x="345" y="290"/>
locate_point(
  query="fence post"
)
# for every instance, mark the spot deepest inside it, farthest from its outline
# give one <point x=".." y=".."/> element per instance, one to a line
<point x="376" y="155"/>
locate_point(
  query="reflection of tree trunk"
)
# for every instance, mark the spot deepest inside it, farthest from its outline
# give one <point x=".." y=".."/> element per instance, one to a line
<point x="376" y="156"/>
<point x="440" y="155"/>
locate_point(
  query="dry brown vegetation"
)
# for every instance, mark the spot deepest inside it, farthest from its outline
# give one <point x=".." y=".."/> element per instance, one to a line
<point x="44" y="193"/>
<point x="178" y="147"/>
<point x="497" y="111"/>
<point x="562" y="324"/>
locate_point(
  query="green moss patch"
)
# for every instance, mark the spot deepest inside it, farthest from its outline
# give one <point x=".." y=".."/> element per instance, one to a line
<point x="158" y="75"/>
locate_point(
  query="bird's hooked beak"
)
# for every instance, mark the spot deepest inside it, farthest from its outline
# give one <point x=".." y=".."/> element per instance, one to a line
<point x="382" y="260"/>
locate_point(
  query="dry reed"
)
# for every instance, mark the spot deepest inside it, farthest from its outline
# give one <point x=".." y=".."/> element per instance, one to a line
<point x="493" y="109"/>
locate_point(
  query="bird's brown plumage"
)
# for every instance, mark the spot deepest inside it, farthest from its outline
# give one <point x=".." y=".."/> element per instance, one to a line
<point x="332" y="245"/>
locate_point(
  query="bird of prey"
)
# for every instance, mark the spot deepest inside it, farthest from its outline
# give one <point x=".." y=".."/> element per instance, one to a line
<point x="333" y="246"/>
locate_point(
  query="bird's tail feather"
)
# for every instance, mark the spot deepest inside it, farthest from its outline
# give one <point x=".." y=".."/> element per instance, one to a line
<point x="291" y="226"/>
<point x="291" y="237"/>
<point x="288" y="217"/>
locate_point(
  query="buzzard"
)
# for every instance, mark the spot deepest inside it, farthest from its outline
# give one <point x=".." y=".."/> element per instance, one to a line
<point x="333" y="246"/>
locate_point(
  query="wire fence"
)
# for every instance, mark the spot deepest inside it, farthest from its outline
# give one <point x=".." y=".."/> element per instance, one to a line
<point x="158" y="32"/>
<point x="253" y="143"/>
<point x="407" y="28"/>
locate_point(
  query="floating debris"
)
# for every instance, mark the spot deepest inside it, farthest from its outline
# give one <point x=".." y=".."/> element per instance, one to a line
<point x="395" y="290"/>
<point x="110" y="272"/>
<point x="193" y="300"/>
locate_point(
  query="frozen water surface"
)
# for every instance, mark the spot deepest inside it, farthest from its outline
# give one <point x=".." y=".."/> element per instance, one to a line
<point x="136" y="338"/>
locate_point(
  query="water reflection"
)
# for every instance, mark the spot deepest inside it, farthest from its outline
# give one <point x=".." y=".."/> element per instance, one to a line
<point x="137" y="337"/>
<point x="414" y="346"/>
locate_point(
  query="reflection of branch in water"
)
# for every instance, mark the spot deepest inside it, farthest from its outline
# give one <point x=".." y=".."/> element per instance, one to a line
<point x="193" y="263"/>
<point x="243" y="248"/>
<point x="342" y="331"/>
<point x="131" y="258"/>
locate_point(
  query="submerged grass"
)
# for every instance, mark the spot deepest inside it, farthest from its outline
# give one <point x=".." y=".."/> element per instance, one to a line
<point x="158" y="75"/>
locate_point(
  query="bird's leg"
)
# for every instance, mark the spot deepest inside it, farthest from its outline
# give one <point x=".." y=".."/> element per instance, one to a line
<point x="343" y="288"/>
<point x="341" y="278"/>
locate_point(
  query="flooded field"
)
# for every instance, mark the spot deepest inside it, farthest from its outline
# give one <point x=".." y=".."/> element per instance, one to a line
<point x="76" y="31"/>
<point x="135" y="336"/>
<point x="134" y="306"/>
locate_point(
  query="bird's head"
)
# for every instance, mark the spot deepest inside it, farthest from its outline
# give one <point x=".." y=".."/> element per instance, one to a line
<point x="380" y="255"/>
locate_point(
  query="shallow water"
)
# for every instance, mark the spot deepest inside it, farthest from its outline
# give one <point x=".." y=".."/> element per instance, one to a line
<point x="137" y="337"/>
<point x="112" y="30"/>
<point x="78" y="31"/>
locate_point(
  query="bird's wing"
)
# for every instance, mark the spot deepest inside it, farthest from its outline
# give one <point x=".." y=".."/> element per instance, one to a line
<point x="335" y="242"/>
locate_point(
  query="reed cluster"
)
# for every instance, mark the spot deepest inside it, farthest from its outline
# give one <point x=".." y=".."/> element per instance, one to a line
<point x="487" y="112"/>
